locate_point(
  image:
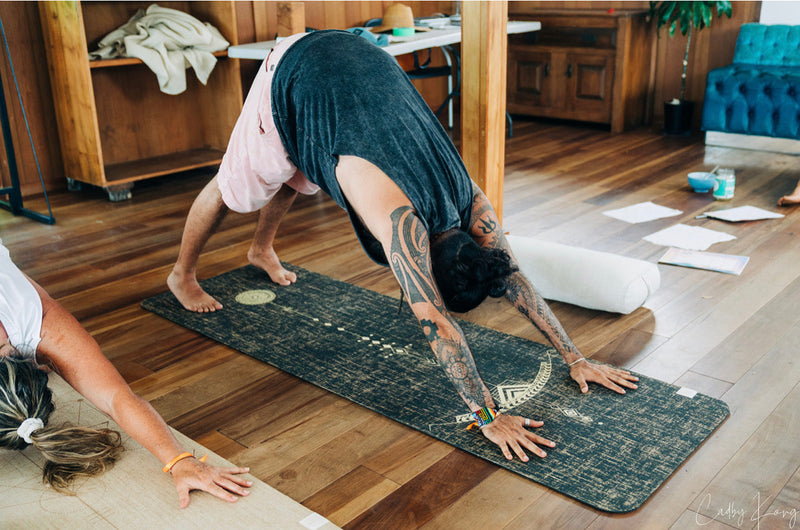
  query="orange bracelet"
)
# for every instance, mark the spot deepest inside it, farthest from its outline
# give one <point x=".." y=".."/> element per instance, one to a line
<point x="168" y="467"/>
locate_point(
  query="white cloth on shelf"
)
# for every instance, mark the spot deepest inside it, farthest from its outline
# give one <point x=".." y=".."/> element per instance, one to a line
<point x="168" y="41"/>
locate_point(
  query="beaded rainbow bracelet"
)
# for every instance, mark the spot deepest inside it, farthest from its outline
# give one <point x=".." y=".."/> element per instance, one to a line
<point x="483" y="416"/>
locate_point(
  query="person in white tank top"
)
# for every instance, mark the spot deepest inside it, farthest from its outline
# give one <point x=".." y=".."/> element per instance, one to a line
<point x="38" y="334"/>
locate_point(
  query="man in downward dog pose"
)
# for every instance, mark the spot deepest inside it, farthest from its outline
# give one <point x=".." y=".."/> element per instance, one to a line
<point x="330" y="110"/>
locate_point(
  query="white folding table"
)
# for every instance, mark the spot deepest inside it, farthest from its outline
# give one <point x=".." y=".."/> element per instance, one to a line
<point x="421" y="40"/>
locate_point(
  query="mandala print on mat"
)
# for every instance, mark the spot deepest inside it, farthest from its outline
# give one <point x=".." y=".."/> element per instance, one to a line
<point x="255" y="297"/>
<point x="509" y="394"/>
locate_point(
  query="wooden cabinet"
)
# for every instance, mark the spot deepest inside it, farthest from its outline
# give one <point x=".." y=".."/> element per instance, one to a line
<point x="582" y="65"/>
<point x="115" y="126"/>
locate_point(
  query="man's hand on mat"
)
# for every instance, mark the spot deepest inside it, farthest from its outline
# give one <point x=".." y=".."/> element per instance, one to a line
<point x="510" y="434"/>
<point x="612" y="378"/>
<point x="223" y="482"/>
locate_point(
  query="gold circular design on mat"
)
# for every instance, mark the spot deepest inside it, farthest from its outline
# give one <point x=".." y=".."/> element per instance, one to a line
<point x="255" y="297"/>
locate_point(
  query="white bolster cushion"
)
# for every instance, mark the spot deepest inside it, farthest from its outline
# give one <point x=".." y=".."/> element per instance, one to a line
<point x="583" y="277"/>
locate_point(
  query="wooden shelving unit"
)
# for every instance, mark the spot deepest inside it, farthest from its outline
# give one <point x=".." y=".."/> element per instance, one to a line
<point x="583" y="65"/>
<point x="115" y="126"/>
<point x="128" y="61"/>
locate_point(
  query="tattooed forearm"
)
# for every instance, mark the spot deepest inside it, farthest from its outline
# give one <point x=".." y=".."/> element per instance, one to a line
<point x="485" y="228"/>
<point x="521" y="293"/>
<point x="410" y="262"/>
<point x="457" y="362"/>
<point x="409" y="257"/>
<point x="462" y="372"/>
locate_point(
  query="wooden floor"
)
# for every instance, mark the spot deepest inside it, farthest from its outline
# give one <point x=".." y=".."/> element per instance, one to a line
<point x="731" y="337"/>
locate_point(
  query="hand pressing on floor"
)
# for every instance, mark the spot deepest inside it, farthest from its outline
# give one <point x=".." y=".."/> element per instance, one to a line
<point x="224" y="482"/>
<point x="511" y="433"/>
<point x="584" y="372"/>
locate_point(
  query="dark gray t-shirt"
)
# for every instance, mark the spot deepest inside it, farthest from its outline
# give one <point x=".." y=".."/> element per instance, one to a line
<point x="335" y="93"/>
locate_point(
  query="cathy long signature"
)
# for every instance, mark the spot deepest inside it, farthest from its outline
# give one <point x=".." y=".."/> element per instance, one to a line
<point x="737" y="514"/>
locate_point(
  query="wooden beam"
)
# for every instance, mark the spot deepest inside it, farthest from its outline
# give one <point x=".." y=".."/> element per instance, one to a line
<point x="71" y="80"/>
<point x="484" y="44"/>
<point x="291" y="18"/>
<point x="261" y="23"/>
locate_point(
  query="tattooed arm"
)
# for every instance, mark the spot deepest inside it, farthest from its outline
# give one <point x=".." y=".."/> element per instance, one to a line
<point x="388" y="214"/>
<point x="410" y="261"/>
<point x="486" y="230"/>
<point x="409" y="258"/>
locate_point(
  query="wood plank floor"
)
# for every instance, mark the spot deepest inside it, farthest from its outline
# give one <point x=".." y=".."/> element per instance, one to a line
<point x="731" y="337"/>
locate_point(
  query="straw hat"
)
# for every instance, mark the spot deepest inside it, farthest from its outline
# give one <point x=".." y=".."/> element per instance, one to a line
<point x="397" y="16"/>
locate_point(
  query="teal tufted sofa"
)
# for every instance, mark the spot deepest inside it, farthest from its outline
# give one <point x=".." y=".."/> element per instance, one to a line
<point x="759" y="93"/>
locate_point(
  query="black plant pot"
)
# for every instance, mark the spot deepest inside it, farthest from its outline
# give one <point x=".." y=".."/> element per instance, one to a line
<point x="678" y="118"/>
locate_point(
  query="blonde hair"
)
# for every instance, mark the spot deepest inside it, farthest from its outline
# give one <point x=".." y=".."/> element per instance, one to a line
<point x="70" y="452"/>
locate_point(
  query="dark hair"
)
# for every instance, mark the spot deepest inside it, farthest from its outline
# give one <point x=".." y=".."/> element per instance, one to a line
<point x="69" y="452"/>
<point x="467" y="273"/>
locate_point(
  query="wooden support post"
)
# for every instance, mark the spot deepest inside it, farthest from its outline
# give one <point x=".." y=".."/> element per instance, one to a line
<point x="484" y="45"/>
<point x="68" y="61"/>
<point x="291" y="18"/>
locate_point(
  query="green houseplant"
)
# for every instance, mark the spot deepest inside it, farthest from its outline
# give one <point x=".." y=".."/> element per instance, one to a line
<point x="689" y="16"/>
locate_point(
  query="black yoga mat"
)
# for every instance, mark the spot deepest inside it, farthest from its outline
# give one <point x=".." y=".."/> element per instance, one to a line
<point x="612" y="452"/>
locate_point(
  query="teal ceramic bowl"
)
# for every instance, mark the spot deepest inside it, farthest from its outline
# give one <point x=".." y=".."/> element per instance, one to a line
<point x="701" y="182"/>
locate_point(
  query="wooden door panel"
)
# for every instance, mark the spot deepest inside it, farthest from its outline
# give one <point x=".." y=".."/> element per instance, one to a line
<point x="529" y="79"/>
<point x="591" y="84"/>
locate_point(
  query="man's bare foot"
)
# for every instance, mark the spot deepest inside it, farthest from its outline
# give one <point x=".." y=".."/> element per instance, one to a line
<point x="789" y="200"/>
<point x="269" y="262"/>
<point x="189" y="293"/>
